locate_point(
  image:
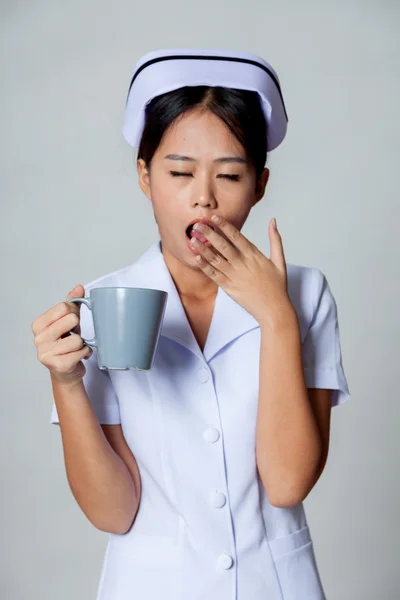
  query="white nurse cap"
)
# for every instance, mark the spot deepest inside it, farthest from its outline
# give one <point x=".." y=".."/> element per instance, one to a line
<point x="162" y="71"/>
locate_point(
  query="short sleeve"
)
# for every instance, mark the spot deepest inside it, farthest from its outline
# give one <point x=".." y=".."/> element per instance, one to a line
<point x="321" y="351"/>
<point x="97" y="382"/>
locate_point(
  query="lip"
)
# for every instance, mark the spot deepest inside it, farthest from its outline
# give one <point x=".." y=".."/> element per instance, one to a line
<point x="202" y="220"/>
<point x="199" y="235"/>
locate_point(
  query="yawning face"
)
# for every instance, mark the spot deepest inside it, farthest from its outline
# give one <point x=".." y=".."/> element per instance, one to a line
<point x="199" y="169"/>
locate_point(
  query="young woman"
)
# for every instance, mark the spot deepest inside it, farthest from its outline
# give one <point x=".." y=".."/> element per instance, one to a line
<point x="198" y="468"/>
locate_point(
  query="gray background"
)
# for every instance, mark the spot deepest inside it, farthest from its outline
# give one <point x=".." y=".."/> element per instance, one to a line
<point x="71" y="210"/>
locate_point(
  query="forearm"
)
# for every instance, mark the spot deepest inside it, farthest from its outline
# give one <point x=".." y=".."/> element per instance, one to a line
<point x="99" y="479"/>
<point x="288" y="443"/>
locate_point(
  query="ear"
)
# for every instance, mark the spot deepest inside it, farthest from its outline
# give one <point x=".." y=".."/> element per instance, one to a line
<point x="144" y="177"/>
<point x="261" y="184"/>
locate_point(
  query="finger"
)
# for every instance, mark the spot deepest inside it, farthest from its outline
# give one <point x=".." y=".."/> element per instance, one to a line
<point x="69" y="360"/>
<point x="276" y="247"/>
<point x="211" y="271"/>
<point x="218" y="262"/>
<point x="57" y="329"/>
<point x="238" y="242"/>
<point x="59" y="310"/>
<point x="72" y="343"/>
<point x="51" y="316"/>
<point x="77" y="292"/>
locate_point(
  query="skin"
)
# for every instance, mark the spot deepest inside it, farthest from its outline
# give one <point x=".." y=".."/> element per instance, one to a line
<point x="204" y="191"/>
<point x="286" y="412"/>
<point x="287" y="409"/>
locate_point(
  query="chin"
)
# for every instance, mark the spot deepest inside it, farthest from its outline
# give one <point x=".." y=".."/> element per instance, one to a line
<point x="181" y="253"/>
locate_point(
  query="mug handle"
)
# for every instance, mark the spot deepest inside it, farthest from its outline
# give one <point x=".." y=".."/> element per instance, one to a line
<point x="92" y="343"/>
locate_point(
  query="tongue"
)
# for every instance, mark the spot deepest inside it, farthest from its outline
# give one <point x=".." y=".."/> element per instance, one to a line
<point x="198" y="235"/>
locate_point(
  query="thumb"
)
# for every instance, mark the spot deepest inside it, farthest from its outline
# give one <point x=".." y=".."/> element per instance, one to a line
<point x="276" y="247"/>
<point x="77" y="292"/>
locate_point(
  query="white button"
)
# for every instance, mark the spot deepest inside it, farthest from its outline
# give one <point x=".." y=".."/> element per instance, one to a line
<point x="211" y="435"/>
<point x="225" y="561"/>
<point x="217" y="499"/>
<point x="203" y="374"/>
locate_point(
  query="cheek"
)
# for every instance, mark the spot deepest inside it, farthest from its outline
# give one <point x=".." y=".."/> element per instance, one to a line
<point x="166" y="196"/>
<point x="166" y="206"/>
<point x="238" y="205"/>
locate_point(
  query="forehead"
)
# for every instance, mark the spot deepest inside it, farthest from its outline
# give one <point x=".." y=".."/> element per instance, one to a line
<point x="200" y="131"/>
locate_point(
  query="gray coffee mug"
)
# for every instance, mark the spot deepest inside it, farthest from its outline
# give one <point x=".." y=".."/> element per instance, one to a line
<point x="127" y="325"/>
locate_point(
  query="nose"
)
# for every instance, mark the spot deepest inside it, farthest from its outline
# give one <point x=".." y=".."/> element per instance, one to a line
<point x="203" y="194"/>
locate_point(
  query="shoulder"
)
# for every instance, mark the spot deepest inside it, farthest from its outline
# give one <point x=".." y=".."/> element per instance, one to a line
<point x="110" y="279"/>
<point x="127" y="274"/>
<point x="305" y="288"/>
<point x="305" y="283"/>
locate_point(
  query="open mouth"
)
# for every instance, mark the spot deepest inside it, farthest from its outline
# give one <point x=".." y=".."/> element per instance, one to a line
<point x="190" y="232"/>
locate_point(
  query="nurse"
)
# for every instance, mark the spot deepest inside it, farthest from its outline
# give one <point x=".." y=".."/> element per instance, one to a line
<point x="198" y="468"/>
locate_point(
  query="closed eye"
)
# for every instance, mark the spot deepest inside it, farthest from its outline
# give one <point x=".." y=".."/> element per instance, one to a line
<point x="178" y="174"/>
<point x="221" y="176"/>
<point x="230" y="177"/>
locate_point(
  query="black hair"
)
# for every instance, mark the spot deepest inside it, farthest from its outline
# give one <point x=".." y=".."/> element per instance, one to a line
<point x="240" y="110"/>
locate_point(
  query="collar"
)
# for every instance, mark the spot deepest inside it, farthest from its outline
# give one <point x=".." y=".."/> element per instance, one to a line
<point x="230" y="320"/>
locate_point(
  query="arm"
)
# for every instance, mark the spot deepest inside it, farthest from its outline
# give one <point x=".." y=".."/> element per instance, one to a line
<point x="289" y="445"/>
<point x="321" y="403"/>
<point x="102" y="474"/>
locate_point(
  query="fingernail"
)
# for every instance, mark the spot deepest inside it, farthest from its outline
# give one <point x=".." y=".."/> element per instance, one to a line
<point x="274" y="223"/>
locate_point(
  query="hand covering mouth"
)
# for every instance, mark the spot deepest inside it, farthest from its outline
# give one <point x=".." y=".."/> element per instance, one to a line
<point x="190" y="232"/>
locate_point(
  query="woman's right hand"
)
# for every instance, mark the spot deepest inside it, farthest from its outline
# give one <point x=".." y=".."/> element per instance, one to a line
<point x="58" y="350"/>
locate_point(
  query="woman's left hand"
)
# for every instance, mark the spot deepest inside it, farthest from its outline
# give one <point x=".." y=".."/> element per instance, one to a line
<point x="257" y="283"/>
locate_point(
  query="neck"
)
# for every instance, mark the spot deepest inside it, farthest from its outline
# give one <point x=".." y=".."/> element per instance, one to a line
<point x="190" y="283"/>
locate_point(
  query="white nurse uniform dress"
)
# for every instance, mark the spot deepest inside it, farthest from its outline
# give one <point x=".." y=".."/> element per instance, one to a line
<point x="205" y="529"/>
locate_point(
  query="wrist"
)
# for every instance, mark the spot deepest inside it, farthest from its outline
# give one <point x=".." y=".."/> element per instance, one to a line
<point x="65" y="386"/>
<point x="281" y="318"/>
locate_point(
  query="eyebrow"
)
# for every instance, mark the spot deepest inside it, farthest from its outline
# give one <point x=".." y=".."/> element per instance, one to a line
<point x="223" y="159"/>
